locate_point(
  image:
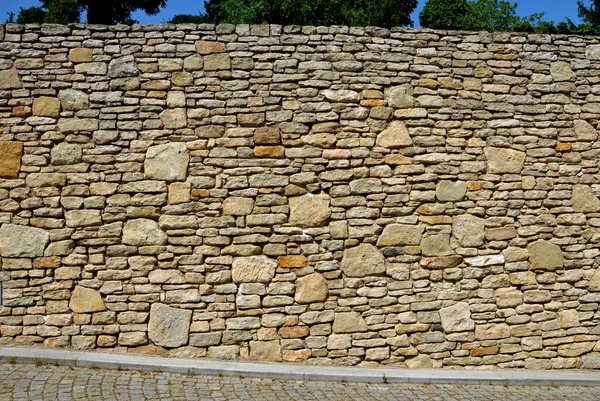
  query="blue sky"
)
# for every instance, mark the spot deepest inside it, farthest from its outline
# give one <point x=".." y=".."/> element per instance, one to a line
<point x="555" y="10"/>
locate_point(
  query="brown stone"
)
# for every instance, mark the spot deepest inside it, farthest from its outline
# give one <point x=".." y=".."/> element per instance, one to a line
<point x="273" y="152"/>
<point x="21" y="111"/>
<point x="9" y="79"/>
<point x="544" y="255"/>
<point x="500" y="233"/>
<point x="484" y="351"/>
<point x="293" y="261"/>
<point x="563" y="147"/>
<point x="208" y="47"/>
<point x="267" y="136"/>
<point x="294" y="332"/>
<point x="10" y="162"/>
<point x="80" y="55"/>
<point x="86" y="300"/>
<point x="311" y="288"/>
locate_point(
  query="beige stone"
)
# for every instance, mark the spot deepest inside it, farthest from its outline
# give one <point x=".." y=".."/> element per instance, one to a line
<point x="492" y="331"/>
<point x="342" y="96"/>
<point x="561" y="71"/>
<point x="544" y="255"/>
<point x="584" y="131"/>
<point x="10" y="162"/>
<point x="179" y="192"/>
<point x="394" y="136"/>
<point x="253" y="269"/>
<point x="10" y="79"/>
<point x="457" y="318"/>
<point x="86" y="300"/>
<point x="80" y="55"/>
<point x="310" y="210"/>
<point x="66" y="153"/>
<point x="142" y="232"/>
<point x="169" y="327"/>
<point x="469" y="230"/>
<point x="362" y="261"/>
<point x="321" y="140"/>
<point x="17" y="241"/>
<point x="568" y="318"/>
<point x="209" y="47"/>
<point x="436" y="245"/>
<point x="216" y="62"/>
<point x="238" y="206"/>
<point x="168" y="162"/>
<point x="311" y="288"/>
<point x="400" y="234"/>
<point x="450" y="191"/>
<point x="349" y="322"/>
<point x="508" y="297"/>
<point x="584" y="200"/>
<point x="594" y="283"/>
<point x="46" y="106"/>
<point x="268" y="351"/>
<point x="502" y="160"/>
<point x="174" y="118"/>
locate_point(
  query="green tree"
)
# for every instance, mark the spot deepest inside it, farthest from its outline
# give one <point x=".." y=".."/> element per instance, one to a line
<point x="31" y="15"/>
<point x="445" y="14"/>
<point x="590" y="15"/>
<point x="384" y="13"/>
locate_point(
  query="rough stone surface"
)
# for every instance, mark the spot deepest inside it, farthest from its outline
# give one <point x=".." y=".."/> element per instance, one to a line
<point x="349" y="322"/>
<point x="504" y="161"/>
<point x="584" y="131"/>
<point x="167" y="162"/>
<point x="141" y="232"/>
<point x="449" y="191"/>
<point x="73" y="100"/>
<point x="311" y="288"/>
<point x="46" y="106"/>
<point x="394" y="136"/>
<point x="561" y="71"/>
<point x="121" y="67"/>
<point x="436" y="245"/>
<point x="10" y="79"/>
<point x="584" y="200"/>
<point x="238" y="206"/>
<point x="66" y="153"/>
<point x="457" y="318"/>
<point x="469" y="230"/>
<point x="86" y="300"/>
<point x="18" y="241"/>
<point x="253" y="269"/>
<point x="10" y="163"/>
<point x="362" y="261"/>
<point x="399" y="234"/>
<point x="544" y="255"/>
<point x="207" y="47"/>
<point x="169" y="327"/>
<point x="310" y="210"/>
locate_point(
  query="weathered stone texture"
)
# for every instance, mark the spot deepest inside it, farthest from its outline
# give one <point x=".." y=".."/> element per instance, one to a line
<point x="327" y="195"/>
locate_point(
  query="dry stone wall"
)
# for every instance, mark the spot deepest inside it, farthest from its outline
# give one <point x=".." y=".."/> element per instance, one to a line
<point x="334" y="195"/>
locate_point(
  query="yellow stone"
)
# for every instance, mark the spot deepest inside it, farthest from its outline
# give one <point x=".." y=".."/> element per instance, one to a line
<point x="10" y="162"/>
<point x="80" y="55"/>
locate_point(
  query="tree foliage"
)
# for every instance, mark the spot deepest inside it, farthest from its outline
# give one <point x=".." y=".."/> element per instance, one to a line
<point x="52" y="12"/>
<point x="384" y="13"/>
<point x="445" y="14"/>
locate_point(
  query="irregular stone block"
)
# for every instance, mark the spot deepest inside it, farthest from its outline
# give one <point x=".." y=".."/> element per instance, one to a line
<point x="584" y="131"/>
<point x="594" y="283"/>
<point x="73" y="100"/>
<point x="457" y="318"/>
<point x="561" y="71"/>
<point x="66" y="153"/>
<point x="238" y="206"/>
<point x="18" y="241"/>
<point x="544" y="255"/>
<point x="508" y="297"/>
<point x="80" y="55"/>
<point x="174" y="118"/>
<point x="394" y="136"/>
<point x="123" y="67"/>
<point x="310" y="210"/>
<point x="46" y="106"/>
<point x="349" y="322"/>
<point x="321" y="140"/>
<point x="253" y="269"/>
<point x="592" y="52"/>
<point x="86" y="300"/>
<point x="436" y="245"/>
<point x="216" y="62"/>
<point x="293" y="261"/>
<point x="450" y="191"/>
<point x="441" y="262"/>
<point x="311" y="288"/>
<point x="400" y="97"/>
<point x="70" y="125"/>
<point x="469" y="230"/>
<point x="204" y="47"/>
<point x="169" y="327"/>
<point x="167" y="162"/>
<point x="502" y="160"/>
<point x="271" y="152"/>
<point x="400" y="234"/>
<point x="341" y="96"/>
<point x="83" y="218"/>
<point x="10" y="162"/>
<point x="142" y="232"/>
<point x="500" y="233"/>
<point x="265" y="351"/>
<point x="584" y="200"/>
<point x="492" y="331"/>
<point x="362" y="261"/>
<point x="267" y="136"/>
<point x="10" y="79"/>
<point x="179" y="192"/>
<point x="46" y="180"/>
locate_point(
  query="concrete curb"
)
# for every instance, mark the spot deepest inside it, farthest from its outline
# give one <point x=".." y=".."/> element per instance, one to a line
<point x="298" y="372"/>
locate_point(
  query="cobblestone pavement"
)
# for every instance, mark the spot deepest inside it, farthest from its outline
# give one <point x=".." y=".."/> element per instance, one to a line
<point x="57" y="383"/>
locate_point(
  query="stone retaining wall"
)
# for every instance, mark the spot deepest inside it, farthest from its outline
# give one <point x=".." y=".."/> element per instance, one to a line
<point x="334" y="195"/>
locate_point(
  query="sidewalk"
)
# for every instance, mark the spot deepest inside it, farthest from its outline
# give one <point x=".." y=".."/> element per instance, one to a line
<point x="20" y="382"/>
<point x="297" y="372"/>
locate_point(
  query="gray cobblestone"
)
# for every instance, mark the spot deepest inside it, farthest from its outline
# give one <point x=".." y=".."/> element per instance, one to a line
<point x="47" y="382"/>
